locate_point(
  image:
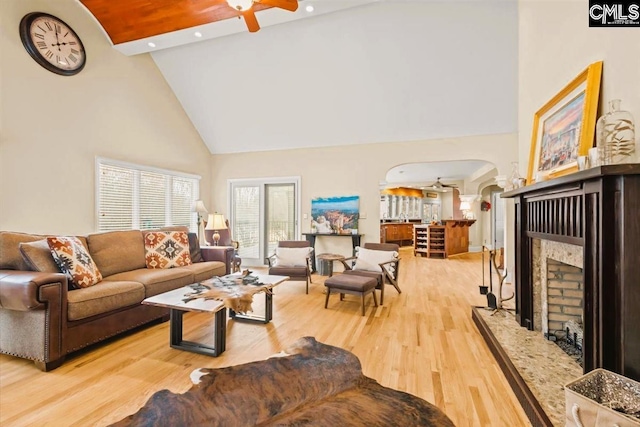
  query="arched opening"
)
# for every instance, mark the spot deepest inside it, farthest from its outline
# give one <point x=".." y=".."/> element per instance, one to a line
<point x="423" y="193"/>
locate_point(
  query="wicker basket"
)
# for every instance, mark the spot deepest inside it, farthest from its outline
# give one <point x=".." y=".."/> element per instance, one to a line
<point x="602" y="398"/>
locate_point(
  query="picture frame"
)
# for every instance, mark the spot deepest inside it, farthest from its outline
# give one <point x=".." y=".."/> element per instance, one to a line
<point x="564" y="128"/>
<point x="432" y="195"/>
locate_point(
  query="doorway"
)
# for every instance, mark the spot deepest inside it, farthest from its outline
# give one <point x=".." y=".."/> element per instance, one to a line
<point x="263" y="212"/>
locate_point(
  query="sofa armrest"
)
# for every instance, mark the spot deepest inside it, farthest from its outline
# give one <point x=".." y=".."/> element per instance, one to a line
<point x="219" y="253"/>
<point x="27" y="290"/>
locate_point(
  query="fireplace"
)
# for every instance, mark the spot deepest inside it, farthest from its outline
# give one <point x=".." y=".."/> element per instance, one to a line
<point x="588" y="220"/>
<point x="558" y="287"/>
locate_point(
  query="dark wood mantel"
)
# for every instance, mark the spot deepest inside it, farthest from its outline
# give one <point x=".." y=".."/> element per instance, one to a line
<point x="598" y="209"/>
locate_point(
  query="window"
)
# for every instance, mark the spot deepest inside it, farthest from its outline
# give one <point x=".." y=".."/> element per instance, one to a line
<point x="139" y="197"/>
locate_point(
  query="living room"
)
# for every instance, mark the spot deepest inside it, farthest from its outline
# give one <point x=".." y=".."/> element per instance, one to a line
<point x="124" y="108"/>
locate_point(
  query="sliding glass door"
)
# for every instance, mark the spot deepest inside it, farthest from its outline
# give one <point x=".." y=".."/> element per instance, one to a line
<point x="263" y="212"/>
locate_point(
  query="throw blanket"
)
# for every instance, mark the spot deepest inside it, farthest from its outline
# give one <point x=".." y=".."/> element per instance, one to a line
<point x="316" y="384"/>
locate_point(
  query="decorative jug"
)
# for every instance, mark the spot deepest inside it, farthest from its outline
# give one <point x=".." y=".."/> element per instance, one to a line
<point x="615" y="136"/>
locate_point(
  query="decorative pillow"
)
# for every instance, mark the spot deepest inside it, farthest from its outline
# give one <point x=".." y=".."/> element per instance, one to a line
<point x="292" y="257"/>
<point x="166" y="249"/>
<point x="38" y="256"/>
<point x="74" y="261"/>
<point x="369" y="260"/>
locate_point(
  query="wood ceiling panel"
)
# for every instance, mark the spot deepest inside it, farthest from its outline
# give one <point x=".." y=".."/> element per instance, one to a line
<point x="128" y="20"/>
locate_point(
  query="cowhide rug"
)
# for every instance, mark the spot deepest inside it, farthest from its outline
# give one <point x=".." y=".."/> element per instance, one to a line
<point x="313" y="385"/>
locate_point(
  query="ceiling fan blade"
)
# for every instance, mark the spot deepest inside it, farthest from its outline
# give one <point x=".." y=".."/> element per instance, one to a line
<point x="251" y="20"/>
<point x="290" y="5"/>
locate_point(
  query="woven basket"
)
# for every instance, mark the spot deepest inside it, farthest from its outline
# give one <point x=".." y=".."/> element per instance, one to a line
<point x="592" y="400"/>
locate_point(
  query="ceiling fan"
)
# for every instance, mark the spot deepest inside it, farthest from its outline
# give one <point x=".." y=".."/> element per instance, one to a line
<point x="438" y="184"/>
<point x="244" y="8"/>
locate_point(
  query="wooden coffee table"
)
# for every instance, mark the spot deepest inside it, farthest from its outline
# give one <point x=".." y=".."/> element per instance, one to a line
<point x="185" y="299"/>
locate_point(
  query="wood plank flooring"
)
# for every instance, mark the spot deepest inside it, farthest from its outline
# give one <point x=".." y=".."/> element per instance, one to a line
<point x="422" y="341"/>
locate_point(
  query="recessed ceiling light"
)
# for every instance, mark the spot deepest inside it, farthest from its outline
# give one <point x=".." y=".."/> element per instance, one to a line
<point x="151" y="44"/>
<point x="197" y="34"/>
<point x="309" y="8"/>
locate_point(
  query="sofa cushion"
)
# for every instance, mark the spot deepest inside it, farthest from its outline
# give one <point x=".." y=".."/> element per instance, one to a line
<point x="166" y="249"/>
<point x="194" y="248"/>
<point x="38" y="256"/>
<point x="156" y="281"/>
<point x="117" y="251"/>
<point x="10" y="256"/>
<point x="206" y="270"/>
<point x="105" y="297"/>
<point x="74" y="261"/>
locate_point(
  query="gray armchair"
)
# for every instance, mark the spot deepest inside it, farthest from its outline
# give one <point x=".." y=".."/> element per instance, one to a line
<point x="294" y="272"/>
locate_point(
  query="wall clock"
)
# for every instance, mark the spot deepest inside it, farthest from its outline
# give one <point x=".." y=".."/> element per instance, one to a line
<point x="52" y="43"/>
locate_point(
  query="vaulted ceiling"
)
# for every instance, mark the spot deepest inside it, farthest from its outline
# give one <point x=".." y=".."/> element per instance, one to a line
<point x="361" y="71"/>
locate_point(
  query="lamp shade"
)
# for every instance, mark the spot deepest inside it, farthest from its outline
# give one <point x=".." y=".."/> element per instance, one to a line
<point x="216" y="222"/>
<point x="200" y="208"/>
<point x="465" y="206"/>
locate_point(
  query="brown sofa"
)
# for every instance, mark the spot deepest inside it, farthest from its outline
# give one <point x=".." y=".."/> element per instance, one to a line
<point x="42" y="320"/>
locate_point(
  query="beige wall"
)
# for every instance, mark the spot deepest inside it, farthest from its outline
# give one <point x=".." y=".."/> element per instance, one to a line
<point x="353" y="170"/>
<point x="52" y="127"/>
<point x="556" y="44"/>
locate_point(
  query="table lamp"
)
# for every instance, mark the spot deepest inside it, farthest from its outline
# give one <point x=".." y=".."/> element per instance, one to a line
<point x="216" y="222"/>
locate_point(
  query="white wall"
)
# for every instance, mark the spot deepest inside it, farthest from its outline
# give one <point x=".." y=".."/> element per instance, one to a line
<point x="388" y="71"/>
<point x="353" y="170"/>
<point x="555" y="45"/>
<point x="53" y="127"/>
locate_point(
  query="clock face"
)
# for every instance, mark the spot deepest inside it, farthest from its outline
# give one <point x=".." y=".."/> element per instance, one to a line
<point x="52" y="43"/>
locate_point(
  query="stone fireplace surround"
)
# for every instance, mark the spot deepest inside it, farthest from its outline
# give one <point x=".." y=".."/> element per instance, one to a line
<point x="597" y="210"/>
<point x="543" y="251"/>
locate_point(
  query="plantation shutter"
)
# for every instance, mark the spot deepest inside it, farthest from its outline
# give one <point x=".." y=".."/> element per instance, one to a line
<point x="137" y="197"/>
<point x="115" y="199"/>
<point x="152" y="200"/>
<point x="182" y="195"/>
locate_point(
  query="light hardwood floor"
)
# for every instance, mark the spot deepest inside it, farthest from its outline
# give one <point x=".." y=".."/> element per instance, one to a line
<point x="422" y="341"/>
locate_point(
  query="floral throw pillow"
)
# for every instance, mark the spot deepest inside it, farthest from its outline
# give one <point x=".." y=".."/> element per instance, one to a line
<point x="74" y="261"/>
<point x="166" y="249"/>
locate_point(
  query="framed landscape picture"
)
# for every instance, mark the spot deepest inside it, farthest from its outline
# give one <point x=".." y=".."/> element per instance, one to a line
<point x="564" y="128"/>
<point x="335" y="214"/>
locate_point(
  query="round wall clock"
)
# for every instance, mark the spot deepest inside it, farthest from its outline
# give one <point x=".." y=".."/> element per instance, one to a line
<point x="52" y="43"/>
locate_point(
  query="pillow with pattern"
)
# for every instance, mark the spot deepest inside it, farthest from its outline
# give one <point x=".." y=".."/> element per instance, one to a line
<point x="74" y="261"/>
<point x="166" y="249"/>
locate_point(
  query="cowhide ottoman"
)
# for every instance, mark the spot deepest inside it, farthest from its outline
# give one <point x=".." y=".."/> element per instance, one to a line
<point x="315" y="384"/>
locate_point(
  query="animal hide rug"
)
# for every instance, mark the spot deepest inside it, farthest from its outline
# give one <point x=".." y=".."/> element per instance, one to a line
<point x="315" y="385"/>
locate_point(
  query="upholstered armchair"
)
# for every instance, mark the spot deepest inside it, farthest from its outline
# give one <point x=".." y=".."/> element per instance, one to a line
<point x="292" y="258"/>
<point x="379" y="260"/>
